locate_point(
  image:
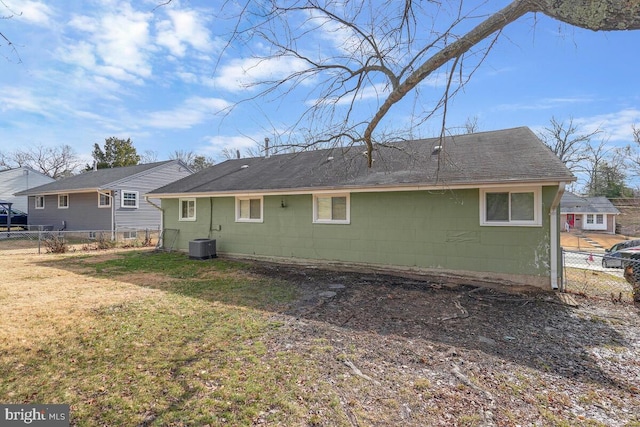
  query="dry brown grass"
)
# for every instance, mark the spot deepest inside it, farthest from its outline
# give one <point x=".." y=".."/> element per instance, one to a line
<point x="47" y="299"/>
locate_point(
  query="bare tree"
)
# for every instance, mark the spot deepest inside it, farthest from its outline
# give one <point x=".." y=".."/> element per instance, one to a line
<point x="565" y="140"/>
<point x="631" y="154"/>
<point x="56" y="162"/>
<point x="194" y="161"/>
<point x="605" y="170"/>
<point x="149" y="156"/>
<point x="387" y="50"/>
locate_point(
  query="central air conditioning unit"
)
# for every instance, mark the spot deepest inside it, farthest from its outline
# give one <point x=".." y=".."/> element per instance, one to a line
<point x="202" y="249"/>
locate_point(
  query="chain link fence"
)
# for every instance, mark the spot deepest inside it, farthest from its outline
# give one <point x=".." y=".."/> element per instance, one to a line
<point x="597" y="275"/>
<point x="584" y="273"/>
<point x="43" y="240"/>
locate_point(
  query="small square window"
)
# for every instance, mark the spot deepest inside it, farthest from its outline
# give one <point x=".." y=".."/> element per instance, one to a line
<point x="39" y="202"/>
<point x="331" y="208"/>
<point x="129" y="199"/>
<point x="599" y="219"/>
<point x="249" y="209"/>
<point x="187" y="210"/>
<point x="63" y="201"/>
<point x="129" y="235"/>
<point x="104" y="200"/>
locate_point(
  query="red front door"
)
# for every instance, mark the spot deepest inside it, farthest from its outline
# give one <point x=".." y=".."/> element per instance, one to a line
<point x="571" y="220"/>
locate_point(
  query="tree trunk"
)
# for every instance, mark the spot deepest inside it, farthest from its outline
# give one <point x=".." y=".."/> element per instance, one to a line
<point x="607" y="15"/>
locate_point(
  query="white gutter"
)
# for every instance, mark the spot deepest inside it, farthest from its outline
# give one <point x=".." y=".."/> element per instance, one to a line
<point x="553" y="235"/>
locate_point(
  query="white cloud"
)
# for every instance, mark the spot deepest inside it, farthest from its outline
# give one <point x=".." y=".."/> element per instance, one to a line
<point x="544" y="104"/>
<point x="616" y="125"/>
<point x="192" y="112"/>
<point x="114" y="43"/>
<point x="240" y="74"/>
<point x="184" y="27"/>
<point x="33" y="12"/>
<point x="232" y="143"/>
<point x="19" y="99"/>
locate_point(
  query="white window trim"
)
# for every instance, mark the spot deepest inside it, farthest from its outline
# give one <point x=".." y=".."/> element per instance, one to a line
<point x="36" y="202"/>
<point x="187" y="199"/>
<point x="67" y="197"/>
<point x="239" y="198"/>
<point x="600" y="219"/>
<point x="537" y="206"/>
<point x="108" y="196"/>
<point x="129" y="235"/>
<point x="331" y="221"/>
<point x="122" y="205"/>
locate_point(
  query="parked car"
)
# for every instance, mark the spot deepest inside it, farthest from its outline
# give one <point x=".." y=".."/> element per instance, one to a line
<point x="18" y="218"/>
<point x="613" y="256"/>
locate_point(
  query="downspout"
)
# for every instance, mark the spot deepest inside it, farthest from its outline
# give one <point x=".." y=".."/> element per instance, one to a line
<point x="113" y="212"/>
<point x="146" y="199"/>
<point x="554" y="236"/>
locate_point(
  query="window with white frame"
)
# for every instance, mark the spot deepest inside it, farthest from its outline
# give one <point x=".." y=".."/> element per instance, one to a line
<point x="599" y="219"/>
<point x="63" y="201"/>
<point x="129" y="235"/>
<point x="104" y="200"/>
<point x="331" y="208"/>
<point x="514" y="206"/>
<point x="187" y="209"/>
<point x="129" y="199"/>
<point x="589" y="218"/>
<point x="39" y="202"/>
<point x="249" y="209"/>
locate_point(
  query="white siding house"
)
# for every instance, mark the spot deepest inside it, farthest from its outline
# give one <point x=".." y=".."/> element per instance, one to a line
<point x="20" y="179"/>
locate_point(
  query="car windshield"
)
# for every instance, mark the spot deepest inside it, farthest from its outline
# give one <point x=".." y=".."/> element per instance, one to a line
<point x="3" y="211"/>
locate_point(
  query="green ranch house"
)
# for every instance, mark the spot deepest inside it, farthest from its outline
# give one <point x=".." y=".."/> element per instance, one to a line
<point x="483" y="205"/>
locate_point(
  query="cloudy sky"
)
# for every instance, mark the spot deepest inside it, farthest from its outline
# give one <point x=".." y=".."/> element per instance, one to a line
<point x="80" y="71"/>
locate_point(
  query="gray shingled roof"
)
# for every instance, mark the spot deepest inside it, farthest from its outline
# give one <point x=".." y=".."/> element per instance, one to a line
<point x="571" y="203"/>
<point x="504" y="156"/>
<point x="91" y="180"/>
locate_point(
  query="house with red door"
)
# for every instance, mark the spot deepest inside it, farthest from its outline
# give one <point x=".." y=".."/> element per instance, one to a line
<point x="587" y="213"/>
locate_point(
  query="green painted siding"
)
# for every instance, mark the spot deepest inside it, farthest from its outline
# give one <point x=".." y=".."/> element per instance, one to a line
<point x="416" y="228"/>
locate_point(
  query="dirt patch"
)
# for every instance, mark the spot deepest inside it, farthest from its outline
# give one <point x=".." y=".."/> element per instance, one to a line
<point x="417" y="352"/>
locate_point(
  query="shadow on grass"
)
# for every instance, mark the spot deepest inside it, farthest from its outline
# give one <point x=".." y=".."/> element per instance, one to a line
<point x="534" y="331"/>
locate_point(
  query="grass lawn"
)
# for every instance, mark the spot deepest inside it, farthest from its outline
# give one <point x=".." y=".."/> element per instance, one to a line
<point x="145" y="338"/>
<point x="139" y="338"/>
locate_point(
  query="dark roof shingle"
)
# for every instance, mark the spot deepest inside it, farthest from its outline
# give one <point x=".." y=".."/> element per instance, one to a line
<point x="511" y="155"/>
<point x="91" y="179"/>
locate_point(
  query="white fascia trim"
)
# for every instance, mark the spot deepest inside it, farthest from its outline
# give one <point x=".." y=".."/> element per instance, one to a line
<point x="354" y="189"/>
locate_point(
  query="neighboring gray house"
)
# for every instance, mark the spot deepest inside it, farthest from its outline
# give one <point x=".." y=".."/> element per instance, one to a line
<point x="20" y="179"/>
<point x="588" y="213"/>
<point x="484" y="204"/>
<point x="104" y="199"/>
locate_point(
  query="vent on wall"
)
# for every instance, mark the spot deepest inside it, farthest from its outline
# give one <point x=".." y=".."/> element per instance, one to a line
<point x="202" y="249"/>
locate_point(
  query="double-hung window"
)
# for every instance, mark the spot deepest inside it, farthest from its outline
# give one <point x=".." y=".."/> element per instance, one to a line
<point x="39" y="202"/>
<point x="187" y="209"/>
<point x="516" y="206"/>
<point x="599" y="219"/>
<point x="331" y="208"/>
<point x="249" y="209"/>
<point x="104" y="200"/>
<point x="129" y="199"/>
<point x="63" y="201"/>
